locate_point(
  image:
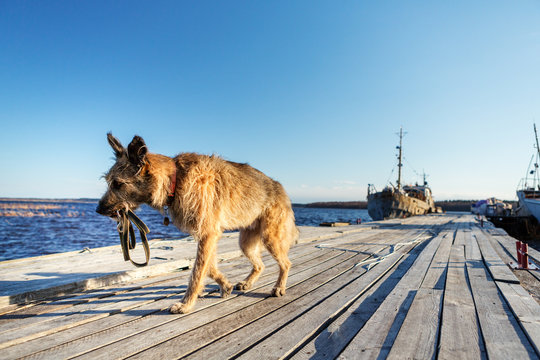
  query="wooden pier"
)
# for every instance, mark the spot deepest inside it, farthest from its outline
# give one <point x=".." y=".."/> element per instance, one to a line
<point x="435" y="286"/>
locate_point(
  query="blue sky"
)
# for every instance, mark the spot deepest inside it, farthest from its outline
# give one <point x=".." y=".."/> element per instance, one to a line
<point x="310" y="92"/>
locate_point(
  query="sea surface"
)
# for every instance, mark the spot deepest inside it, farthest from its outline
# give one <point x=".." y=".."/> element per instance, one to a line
<point x="41" y="227"/>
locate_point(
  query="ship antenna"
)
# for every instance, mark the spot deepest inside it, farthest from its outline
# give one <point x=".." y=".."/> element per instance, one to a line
<point x="425" y="176"/>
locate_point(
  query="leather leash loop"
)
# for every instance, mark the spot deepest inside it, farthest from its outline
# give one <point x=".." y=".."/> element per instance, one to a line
<point x="127" y="235"/>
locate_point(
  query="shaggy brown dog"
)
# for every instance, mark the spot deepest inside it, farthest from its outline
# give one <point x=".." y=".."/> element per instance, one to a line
<point x="206" y="195"/>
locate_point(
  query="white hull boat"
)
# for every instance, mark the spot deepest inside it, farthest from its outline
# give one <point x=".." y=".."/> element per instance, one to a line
<point x="528" y="191"/>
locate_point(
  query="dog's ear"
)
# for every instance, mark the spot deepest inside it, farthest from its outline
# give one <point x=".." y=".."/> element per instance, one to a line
<point x="119" y="150"/>
<point x="137" y="151"/>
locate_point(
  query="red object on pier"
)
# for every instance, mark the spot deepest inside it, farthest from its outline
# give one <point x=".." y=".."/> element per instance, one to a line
<point x="518" y="248"/>
<point x="523" y="257"/>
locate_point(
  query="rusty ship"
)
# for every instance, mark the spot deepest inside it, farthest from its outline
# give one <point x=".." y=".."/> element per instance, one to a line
<point x="400" y="201"/>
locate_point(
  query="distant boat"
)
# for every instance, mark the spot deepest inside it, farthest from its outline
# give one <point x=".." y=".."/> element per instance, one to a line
<point x="491" y="207"/>
<point x="528" y="191"/>
<point x="400" y="201"/>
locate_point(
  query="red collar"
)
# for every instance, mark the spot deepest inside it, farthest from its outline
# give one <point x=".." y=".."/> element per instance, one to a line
<point x="172" y="188"/>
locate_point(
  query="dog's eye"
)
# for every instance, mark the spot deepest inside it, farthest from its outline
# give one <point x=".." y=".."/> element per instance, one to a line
<point x="115" y="185"/>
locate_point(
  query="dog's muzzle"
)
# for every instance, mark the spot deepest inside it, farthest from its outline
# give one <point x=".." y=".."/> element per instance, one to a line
<point x="103" y="210"/>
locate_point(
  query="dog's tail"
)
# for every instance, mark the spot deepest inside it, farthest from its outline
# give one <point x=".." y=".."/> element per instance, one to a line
<point x="296" y="235"/>
<point x="293" y="231"/>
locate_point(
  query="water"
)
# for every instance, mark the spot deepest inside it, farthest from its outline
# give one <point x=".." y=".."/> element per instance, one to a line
<point x="41" y="227"/>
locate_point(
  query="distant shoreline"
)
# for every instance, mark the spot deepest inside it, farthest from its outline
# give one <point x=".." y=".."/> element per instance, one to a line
<point x="446" y="205"/>
<point x="78" y="200"/>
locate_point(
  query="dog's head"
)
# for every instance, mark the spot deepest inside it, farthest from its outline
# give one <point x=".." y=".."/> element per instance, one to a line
<point x="127" y="179"/>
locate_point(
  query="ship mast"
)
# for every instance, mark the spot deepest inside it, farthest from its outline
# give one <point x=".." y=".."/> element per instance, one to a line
<point x="399" y="158"/>
<point x="537" y="157"/>
<point x="536" y="136"/>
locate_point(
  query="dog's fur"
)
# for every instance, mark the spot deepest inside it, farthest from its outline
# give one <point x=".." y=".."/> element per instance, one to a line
<point x="212" y="195"/>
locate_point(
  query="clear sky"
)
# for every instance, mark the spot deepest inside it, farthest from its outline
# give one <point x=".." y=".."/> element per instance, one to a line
<point x="310" y="92"/>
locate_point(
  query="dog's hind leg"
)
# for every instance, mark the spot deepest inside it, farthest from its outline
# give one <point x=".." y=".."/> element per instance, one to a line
<point x="250" y="241"/>
<point x="224" y="285"/>
<point x="277" y="240"/>
<point x="280" y="255"/>
<point x="205" y="252"/>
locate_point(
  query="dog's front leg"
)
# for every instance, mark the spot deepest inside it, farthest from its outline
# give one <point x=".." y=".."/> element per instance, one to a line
<point x="205" y="250"/>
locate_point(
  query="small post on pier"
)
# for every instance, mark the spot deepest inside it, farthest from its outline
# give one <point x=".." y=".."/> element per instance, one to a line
<point x="518" y="249"/>
<point x="525" y="256"/>
<point x="522" y="258"/>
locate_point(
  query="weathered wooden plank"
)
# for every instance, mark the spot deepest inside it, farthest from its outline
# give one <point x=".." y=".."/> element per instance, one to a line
<point x="55" y="276"/>
<point x="329" y="343"/>
<point x="436" y="274"/>
<point x="417" y="338"/>
<point x="43" y="285"/>
<point x="295" y="312"/>
<point x="127" y="325"/>
<point x="263" y="318"/>
<point x="288" y="339"/>
<point x="374" y="340"/>
<point x="66" y="322"/>
<point x="207" y="332"/>
<point x="38" y="326"/>
<point x="460" y="335"/>
<point x="166" y="323"/>
<point x="472" y="250"/>
<point x="96" y="305"/>
<point x="40" y="309"/>
<point x="70" y="331"/>
<point x="502" y="335"/>
<point x="240" y="265"/>
<point x="295" y="333"/>
<point x="498" y="269"/>
<point x="525" y="308"/>
<point x="459" y="236"/>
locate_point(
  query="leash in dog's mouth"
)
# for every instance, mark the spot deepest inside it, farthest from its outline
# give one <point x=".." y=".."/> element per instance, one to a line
<point x="127" y="235"/>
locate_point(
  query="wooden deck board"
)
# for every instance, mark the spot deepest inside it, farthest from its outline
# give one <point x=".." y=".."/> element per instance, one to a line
<point x="376" y="336"/>
<point x="43" y="277"/>
<point x="293" y="336"/>
<point x="460" y="333"/>
<point x="498" y="269"/>
<point x="135" y="335"/>
<point x="149" y="322"/>
<point x="309" y="281"/>
<point x="332" y="339"/>
<point x="502" y="335"/>
<point x="422" y="287"/>
<point x="423" y="318"/>
<point x="116" y="322"/>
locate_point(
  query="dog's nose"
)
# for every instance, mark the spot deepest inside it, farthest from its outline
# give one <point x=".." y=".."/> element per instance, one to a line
<point x="100" y="210"/>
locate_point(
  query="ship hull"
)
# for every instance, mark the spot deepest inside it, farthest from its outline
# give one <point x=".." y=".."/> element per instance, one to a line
<point x="390" y="205"/>
<point x="530" y="203"/>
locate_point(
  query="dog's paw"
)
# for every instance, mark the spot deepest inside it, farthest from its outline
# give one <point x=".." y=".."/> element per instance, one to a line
<point x="179" y="308"/>
<point x="226" y="291"/>
<point x="277" y="292"/>
<point x="242" y="285"/>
